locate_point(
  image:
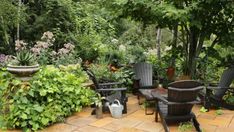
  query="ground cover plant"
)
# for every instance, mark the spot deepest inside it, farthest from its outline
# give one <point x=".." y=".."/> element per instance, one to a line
<point x="52" y="94"/>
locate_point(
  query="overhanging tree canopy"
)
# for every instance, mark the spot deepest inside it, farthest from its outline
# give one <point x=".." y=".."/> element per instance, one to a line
<point x="198" y="20"/>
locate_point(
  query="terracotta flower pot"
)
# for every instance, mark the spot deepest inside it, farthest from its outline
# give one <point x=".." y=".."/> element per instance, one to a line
<point x="170" y="73"/>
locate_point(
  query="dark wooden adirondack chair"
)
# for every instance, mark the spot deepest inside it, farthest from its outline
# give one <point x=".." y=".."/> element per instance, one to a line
<point x="110" y="91"/>
<point x="177" y="106"/>
<point x="220" y="90"/>
<point x="144" y="74"/>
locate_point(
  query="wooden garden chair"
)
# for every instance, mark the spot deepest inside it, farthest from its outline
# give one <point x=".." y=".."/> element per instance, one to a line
<point x="214" y="93"/>
<point x="144" y="74"/>
<point x="110" y="91"/>
<point x="176" y="106"/>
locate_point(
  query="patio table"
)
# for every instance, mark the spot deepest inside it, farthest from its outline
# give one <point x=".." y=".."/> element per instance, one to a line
<point x="151" y="94"/>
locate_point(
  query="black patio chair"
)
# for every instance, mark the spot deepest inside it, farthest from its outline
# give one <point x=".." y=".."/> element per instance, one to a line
<point x="176" y="106"/>
<point x="110" y="91"/>
<point x="214" y="93"/>
<point x="144" y="76"/>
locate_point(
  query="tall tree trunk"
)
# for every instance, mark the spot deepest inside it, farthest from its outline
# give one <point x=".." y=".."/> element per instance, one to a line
<point x="174" y="44"/>
<point x="18" y="23"/>
<point x="192" y="51"/>
<point x="158" y="42"/>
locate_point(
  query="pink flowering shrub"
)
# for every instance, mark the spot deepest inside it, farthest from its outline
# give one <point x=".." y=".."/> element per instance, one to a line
<point x="46" y="55"/>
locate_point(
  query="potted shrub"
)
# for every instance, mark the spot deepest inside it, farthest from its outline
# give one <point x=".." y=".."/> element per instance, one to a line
<point x="23" y="65"/>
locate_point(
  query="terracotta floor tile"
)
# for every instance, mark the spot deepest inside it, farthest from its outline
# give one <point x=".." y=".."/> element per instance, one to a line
<point x="172" y="128"/>
<point x="102" y="122"/>
<point x="207" y="116"/>
<point x="150" y="126"/>
<point x="132" y="108"/>
<point x="59" y="127"/>
<point x="140" y="115"/>
<point x="122" y="123"/>
<point x="218" y="121"/>
<point x="81" y="121"/>
<point x="91" y="129"/>
<point x="85" y="112"/>
<point x="225" y="129"/>
<point x="231" y="122"/>
<point x="221" y="121"/>
<point x="208" y="128"/>
<point x="126" y="129"/>
<point x="132" y="100"/>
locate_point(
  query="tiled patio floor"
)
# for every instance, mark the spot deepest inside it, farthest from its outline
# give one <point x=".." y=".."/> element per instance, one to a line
<point x="137" y="121"/>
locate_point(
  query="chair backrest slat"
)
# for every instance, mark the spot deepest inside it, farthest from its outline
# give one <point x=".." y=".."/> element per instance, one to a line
<point x="225" y="81"/>
<point x="144" y="72"/>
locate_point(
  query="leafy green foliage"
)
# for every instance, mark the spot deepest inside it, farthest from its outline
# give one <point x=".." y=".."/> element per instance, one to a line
<point x="49" y="97"/>
<point x="196" y="22"/>
<point x="185" y="126"/>
<point x="8" y="21"/>
<point x="203" y="110"/>
<point x="229" y="98"/>
<point x="219" y="112"/>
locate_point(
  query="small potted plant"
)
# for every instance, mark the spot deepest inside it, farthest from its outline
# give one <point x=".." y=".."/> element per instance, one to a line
<point x="98" y="106"/>
<point x="23" y="65"/>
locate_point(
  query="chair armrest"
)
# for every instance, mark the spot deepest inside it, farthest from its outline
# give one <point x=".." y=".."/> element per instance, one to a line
<point x="109" y="84"/>
<point x="217" y="88"/>
<point x="112" y="89"/>
<point x="191" y="102"/>
<point x="160" y="98"/>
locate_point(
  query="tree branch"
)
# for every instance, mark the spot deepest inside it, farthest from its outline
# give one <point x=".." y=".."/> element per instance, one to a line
<point x="214" y="42"/>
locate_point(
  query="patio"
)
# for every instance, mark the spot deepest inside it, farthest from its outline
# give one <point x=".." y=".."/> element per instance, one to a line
<point x="136" y="121"/>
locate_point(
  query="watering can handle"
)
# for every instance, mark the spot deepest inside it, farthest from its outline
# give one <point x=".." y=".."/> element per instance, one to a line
<point x="116" y="100"/>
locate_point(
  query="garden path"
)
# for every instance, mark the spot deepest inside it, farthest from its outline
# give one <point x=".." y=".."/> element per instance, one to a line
<point x="137" y="121"/>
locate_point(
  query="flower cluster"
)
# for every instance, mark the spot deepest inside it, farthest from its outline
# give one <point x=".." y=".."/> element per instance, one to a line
<point x="122" y="48"/>
<point x="45" y="54"/>
<point x="48" y="37"/>
<point x="47" y="41"/>
<point x="2" y="58"/>
<point x="20" y="45"/>
<point x="67" y="49"/>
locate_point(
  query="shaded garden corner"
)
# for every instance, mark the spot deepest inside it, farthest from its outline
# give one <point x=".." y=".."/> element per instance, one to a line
<point x="137" y="121"/>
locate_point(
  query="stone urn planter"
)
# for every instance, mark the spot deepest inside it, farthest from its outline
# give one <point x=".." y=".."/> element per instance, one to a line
<point x="24" y="73"/>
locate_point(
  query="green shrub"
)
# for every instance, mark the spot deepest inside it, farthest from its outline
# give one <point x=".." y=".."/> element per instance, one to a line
<point x="49" y="97"/>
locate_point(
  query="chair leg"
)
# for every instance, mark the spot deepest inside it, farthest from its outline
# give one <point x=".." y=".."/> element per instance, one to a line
<point x="146" y="112"/>
<point x="196" y="124"/>
<point x="125" y="108"/>
<point x="139" y="99"/>
<point x="156" y="112"/>
<point x="166" y="128"/>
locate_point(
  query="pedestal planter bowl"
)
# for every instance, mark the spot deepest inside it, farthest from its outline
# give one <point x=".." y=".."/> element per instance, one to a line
<point x="24" y="73"/>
